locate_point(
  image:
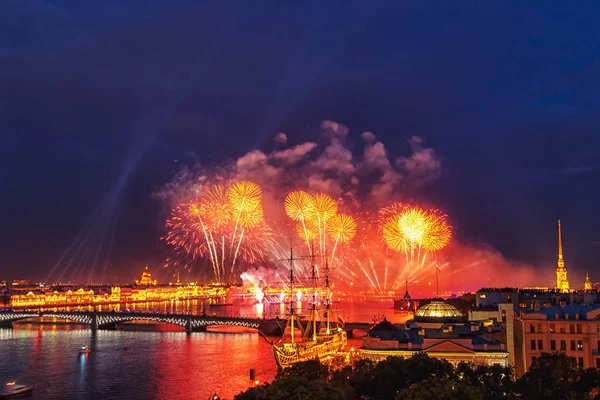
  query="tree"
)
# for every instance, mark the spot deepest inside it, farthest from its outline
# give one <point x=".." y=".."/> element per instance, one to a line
<point x="311" y="370"/>
<point x="495" y="382"/>
<point x="294" y="388"/>
<point x="440" y="389"/>
<point x="550" y="377"/>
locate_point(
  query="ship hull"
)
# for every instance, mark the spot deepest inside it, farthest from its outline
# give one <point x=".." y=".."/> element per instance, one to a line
<point x="288" y="354"/>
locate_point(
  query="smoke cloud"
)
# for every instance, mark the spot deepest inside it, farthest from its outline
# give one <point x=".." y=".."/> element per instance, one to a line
<point x="362" y="179"/>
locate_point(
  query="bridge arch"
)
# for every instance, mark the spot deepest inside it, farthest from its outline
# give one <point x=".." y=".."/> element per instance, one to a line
<point x="6" y="319"/>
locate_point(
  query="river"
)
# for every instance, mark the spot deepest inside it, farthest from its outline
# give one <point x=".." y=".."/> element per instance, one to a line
<point x="155" y="365"/>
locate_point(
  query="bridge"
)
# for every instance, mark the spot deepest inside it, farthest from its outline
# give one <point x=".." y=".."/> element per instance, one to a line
<point x="109" y="320"/>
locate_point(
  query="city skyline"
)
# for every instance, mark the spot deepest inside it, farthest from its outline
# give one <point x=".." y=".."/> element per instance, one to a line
<point x="508" y="119"/>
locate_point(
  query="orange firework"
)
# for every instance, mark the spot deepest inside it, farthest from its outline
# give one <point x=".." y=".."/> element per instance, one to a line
<point x="416" y="228"/>
<point x="217" y="208"/>
<point x="439" y="232"/>
<point x="299" y="205"/>
<point x="307" y="232"/>
<point x="342" y="228"/>
<point x="325" y="206"/>
<point x="244" y="194"/>
<point x="250" y="215"/>
<point x="389" y="211"/>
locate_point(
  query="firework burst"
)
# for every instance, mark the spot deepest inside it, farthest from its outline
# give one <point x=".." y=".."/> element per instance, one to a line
<point x="415" y="232"/>
<point x="210" y="226"/>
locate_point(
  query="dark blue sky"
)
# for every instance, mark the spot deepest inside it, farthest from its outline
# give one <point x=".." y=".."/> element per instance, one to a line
<point x="103" y="101"/>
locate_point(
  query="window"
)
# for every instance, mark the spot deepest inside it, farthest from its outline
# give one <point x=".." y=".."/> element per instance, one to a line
<point x="579" y="328"/>
<point x="580" y="362"/>
<point x="532" y="344"/>
<point x="573" y="345"/>
<point x="552" y="327"/>
<point x="539" y="328"/>
<point x="597" y="362"/>
<point x="540" y="345"/>
<point x="598" y="345"/>
<point x="553" y="345"/>
<point x="531" y="328"/>
<point x="562" y="329"/>
<point x="563" y="345"/>
<point x="579" y="345"/>
<point x="598" y="329"/>
<point x="572" y="328"/>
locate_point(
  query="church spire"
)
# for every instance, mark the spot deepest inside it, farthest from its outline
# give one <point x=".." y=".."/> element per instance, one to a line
<point x="562" y="283"/>
<point x="561" y="261"/>
<point x="587" y="285"/>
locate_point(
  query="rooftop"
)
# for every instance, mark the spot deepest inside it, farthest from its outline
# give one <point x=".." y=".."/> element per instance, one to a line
<point x="438" y="310"/>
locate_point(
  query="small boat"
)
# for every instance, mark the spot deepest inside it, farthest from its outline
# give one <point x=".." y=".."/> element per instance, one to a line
<point x="85" y="350"/>
<point x="13" y="389"/>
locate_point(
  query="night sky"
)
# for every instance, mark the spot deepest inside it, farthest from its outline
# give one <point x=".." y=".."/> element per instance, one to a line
<point x="102" y="102"/>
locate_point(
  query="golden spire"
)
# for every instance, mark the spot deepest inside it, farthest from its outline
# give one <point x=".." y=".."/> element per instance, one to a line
<point x="562" y="283"/>
<point x="587" y="285"/>
<point x="561" y="261"/>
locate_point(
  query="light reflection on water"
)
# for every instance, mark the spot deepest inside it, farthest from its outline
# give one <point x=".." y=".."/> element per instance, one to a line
<point x="156" y="365"/>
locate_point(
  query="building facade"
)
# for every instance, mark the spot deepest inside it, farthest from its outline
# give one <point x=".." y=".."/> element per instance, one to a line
<point x="440" y="331"/>
<point x="570" y="329"/>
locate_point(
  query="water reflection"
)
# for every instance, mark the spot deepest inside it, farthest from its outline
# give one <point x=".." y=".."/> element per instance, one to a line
<point x="156" y="365"/>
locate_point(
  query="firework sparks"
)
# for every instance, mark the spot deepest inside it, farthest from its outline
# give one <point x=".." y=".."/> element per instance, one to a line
<point x="415" y="229"/>
<point x="342" y="228"/>
<point x="209" y="226"/>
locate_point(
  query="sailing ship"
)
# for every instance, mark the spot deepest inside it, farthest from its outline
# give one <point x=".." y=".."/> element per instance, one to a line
<point x="314" y="344"/>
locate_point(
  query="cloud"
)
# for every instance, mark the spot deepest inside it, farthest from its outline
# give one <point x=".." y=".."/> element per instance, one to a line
<point x="254" y="165"/>
<point x="368" y="137"/>
<point x="376" y="159"/>
<point x="336" y="158"/>
<point x="333" y="129"/>
<point x="251" y="160"/>
<point x="422" y="167"/>
<point x="367" y="178"/>
<point x="280" y="138"/>
<point x="318" y="183"/>
<point x="295" y="154"/>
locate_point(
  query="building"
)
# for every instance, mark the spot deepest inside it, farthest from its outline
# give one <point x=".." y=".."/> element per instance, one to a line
<point x="405" y="303"/>
<point x="440" y="331"/>
<point x="571" y="329"/>
<point x="501" y="314"/>
<point x="146" y="279"/>
<point x="587" y="285"/>
<point x="562" y="283"/>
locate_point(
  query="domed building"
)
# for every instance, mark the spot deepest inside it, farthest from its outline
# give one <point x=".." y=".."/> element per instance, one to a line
<point x="146" y="279"/>
<point x="439" y="331"/>
<point x="438" y="312"/>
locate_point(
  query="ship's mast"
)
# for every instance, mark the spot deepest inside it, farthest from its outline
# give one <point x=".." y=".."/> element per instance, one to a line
<point x="327" y="294"/>
<point x="292" y="293"/>
<point x="314" y="296"/>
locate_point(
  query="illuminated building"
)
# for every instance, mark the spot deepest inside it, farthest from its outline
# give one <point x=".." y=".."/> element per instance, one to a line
<point x="562" y="283"/>
<point x="570" y="329"/>
<point x="502" y="314"/>
<point x="587" y="285"/>
<point x="146" y="279"/>
<point x="405" y="303"/>
<point x="437" y="312"/>
<point x="98" y="295"/>
<point x="439" y="331"/>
